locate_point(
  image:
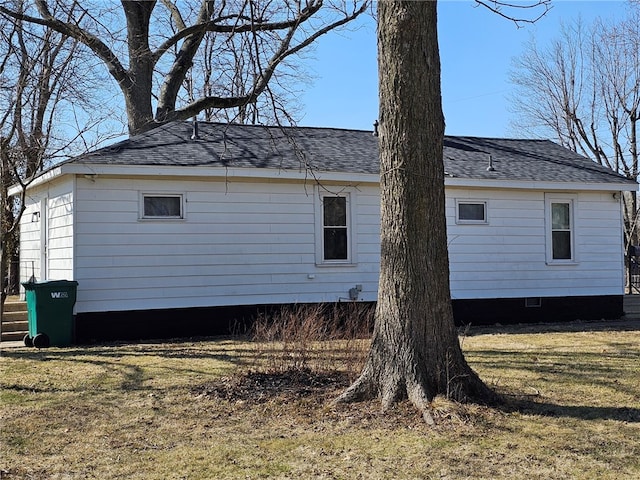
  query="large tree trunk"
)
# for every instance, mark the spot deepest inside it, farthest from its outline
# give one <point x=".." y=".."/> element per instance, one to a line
<point x="415" y="351"/>
<point x="138" y="89"/>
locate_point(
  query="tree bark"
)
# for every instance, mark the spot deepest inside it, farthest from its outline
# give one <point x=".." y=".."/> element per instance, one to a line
<point x="138" y="91"/>
<point x="415" y="352"/>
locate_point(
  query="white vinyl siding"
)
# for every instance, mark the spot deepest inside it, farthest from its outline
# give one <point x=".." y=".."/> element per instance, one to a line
<point x="47" y="233"/>
<point x="60" y="242"/>
<point x="242" y="243"/>
<point x="30" y="242"/>
<point x="508" y="257"/>
<point x="245" y="242"/>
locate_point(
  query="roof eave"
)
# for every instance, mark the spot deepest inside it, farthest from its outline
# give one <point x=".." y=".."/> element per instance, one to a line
<point x="216" y="172"/>
<point x="304" y="175"/>
<point x="44" y="178"/>
<point x="540" y="185"/>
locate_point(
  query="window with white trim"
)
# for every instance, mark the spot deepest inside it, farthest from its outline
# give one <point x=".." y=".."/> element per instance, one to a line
<point x="471" y="211"/>
<point x="162" y="206"/>
<point x="560" y="220"/>
<point x="334" y="229"/>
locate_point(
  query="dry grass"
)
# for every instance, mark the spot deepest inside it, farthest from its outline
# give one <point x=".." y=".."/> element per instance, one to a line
<point x="219" y="409"/>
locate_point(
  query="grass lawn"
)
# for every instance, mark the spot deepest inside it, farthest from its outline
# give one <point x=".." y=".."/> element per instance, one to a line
<point x="207" y="410"/>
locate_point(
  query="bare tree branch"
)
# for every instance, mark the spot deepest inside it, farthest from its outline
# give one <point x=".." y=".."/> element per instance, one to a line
<point x="277" y="30"/>
<point x="265" y="74"/>
<point x="39" y="78"/>
<point x="101" y="50"/>
<point x="508" y="10"/>
<point x="585" y="90"/>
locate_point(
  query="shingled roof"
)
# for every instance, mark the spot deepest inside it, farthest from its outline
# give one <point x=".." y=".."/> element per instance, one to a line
<point x="338" y="150"/>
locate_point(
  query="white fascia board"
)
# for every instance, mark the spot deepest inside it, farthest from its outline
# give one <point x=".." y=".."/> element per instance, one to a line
<point x="216" y="172"/>
<point x="302" y="175"/>
<point x="44" y="178"/>
<point x="537" y="185"/>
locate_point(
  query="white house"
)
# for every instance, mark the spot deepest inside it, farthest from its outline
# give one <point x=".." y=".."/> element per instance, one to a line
<point x="175" y="231"/>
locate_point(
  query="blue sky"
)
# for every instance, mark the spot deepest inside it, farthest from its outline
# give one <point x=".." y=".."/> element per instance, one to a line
<point x="476" y="51"/>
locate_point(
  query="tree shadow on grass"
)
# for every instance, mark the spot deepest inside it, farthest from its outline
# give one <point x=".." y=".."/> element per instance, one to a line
<point x="185" y="348"/>
<point x="581" y="412"/>
<point x="621" y="325"/>
<point x="125" y="375"/>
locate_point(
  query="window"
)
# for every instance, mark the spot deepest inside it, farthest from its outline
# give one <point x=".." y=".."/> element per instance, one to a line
<point x="334" y="225"/>
<point x="334" y="230"/>
<point x="162" y="206"/>
<point x="560" y="229"/>
<point x="468" y="211"/>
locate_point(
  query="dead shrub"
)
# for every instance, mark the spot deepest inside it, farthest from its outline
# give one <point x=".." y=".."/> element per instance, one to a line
<point x="313" y="337"/>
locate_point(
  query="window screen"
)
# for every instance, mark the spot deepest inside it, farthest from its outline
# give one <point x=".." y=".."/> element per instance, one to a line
<point x="472" y="212"/>
<point x="162" y="206"/>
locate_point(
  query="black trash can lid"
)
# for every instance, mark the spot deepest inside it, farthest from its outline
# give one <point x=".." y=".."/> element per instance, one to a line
<point x="50" y="283"/>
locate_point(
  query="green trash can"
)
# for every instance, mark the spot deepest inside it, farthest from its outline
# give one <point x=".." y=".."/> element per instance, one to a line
<point x="50" y="312"/>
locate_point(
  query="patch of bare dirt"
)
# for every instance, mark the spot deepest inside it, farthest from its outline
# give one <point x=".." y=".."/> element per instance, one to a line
<point x="260" y="387"/>
<point x="306" y="390"/>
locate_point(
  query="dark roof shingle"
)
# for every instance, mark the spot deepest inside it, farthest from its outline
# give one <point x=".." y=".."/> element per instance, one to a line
<point x="338" y="150"/>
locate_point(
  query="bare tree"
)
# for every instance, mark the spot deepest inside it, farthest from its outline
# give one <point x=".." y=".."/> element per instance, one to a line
<point x="150" y="65"/>
<point x="584" y="90"/>
<point x="415" y="352"/>
<point x="228" y="68"/>
<point x="44" y="116"/>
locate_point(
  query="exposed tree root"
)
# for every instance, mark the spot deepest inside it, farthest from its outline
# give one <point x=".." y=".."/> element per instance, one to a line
<point x="390" y="387"/>
<point x="365" y="388"/>
<point x="419" y="399"/>
<point x="360" y="390"/>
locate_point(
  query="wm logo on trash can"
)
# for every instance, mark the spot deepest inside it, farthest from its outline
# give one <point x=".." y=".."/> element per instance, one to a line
<point x="59" y="294"/>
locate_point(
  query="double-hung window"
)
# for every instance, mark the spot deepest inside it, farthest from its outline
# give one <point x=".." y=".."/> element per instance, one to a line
<point x="334" y="228"/>
<point x="560" y="221"/>
<point x="335" y="245"/>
